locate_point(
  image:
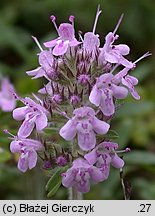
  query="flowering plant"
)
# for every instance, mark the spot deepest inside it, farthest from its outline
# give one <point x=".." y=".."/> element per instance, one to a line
<point x="67" y="122"/>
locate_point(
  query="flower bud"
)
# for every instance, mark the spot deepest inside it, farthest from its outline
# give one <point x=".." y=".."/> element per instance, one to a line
<point x="75" y="99"/>
<point x="61" y="160"/>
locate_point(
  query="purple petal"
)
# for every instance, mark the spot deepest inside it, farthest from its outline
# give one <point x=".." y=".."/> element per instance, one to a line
<point x="107" y="104"/>
<point x="95" y="96"/>
<point x="122" y="49"/>
<point x="74" y="42"/>
<point x="26" y="128"/>
<point x="86" y="141"/>
<point x="118" y="77"/>
<point x="60" y="48"/>
<point x="117" y="162"/>
<point x="6" y="86"/>
<point x="15" y="147"/>
<point x="109" y="39"/>
<point x="110" y="58"/>
<point x="125" y="62"/>
<point x="35" y="144"/>
<point x="132" y="79"/>
<point x="19" y="113"/>
<point x="96" y="175"/>
<point x="83" y="187"/>
<point x="119" y="92"/>
<point x="66" y="31"/>
<point x="23" y="163"/>
<point x="91" y="157"/>
<point x="100" y="127"/>
<point x="80" y="162"/>
<point x="68" y="131"/>
<point x="105" y="170"/>
<point x="68" y="178"/>
<point x="32" y="159"/>
<point x="91" y="42"/>
<point x="47" y="89"/>
<point x="51" y="43"/>
<point x="128" y="82"/>
<point x="7" y="104"/>
<point x="105" y="78"/>
<point x="37" y="73"/>
<point x="41" y="122"/>
<point x="84" y="111"/>
<point x="46" y="59"/>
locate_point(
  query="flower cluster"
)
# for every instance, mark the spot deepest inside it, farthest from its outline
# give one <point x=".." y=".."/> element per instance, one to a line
<point x="84" y="81"/>
<point x="7" y="91"/>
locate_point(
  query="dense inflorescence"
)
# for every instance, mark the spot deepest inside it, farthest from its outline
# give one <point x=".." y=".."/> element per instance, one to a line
<point x="85" y="82"/>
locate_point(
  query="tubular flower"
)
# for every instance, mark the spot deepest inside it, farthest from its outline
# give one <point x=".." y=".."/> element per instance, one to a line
<point x="114" y="53"/>
<point x="33" y="115"/>
<point x="85" y="125"/>
<point x="27" y="148"/>
<point x="7" y="99"/>
<point x="46" y="62"/>
<point x="91" y="43"/>
<point x="104" y="91"/>
<point x="66" y="39"/>
<point x="80" y="175"/>
<point x="104" y="155"/>
<point x="128" y="81"/>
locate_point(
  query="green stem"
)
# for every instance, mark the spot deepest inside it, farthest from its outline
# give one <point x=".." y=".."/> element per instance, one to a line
<point x="74" y="194"/>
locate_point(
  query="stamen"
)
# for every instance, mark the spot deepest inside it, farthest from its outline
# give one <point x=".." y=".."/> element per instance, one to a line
<point x="71" y="19"/>
<point x="19" y="98"/>
<point x="143" y="56"/>
<point x="114" y="68"/>
<point x="53" y="18"/>
<point x="118" y="24"/>
<point x="7" y="132"/>
<point x="96" y="18"/>
<point x="37" y="42"/>
<point x="37" y="98"/>
<point x="123" y="151"/>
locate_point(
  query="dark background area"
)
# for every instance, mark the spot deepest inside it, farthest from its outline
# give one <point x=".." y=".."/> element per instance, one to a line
<point x="134" y="122"/>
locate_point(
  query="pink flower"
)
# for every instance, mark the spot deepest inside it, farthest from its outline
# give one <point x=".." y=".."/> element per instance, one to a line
<point x="85" y="125"/>
<point x="46" y="62"/>
<point x="7" y="99"/>
<point x="128" y="81"/>
<point x="66" y="39"/>
<point x="33" y="115"/>
<point x="103" y="92"/>
<point x="27" y="148"/>
<point x="91" y="43"/>
<point x="104" y="155"/>
<point x="114" y="53"/>
<point x="80" y="175"/>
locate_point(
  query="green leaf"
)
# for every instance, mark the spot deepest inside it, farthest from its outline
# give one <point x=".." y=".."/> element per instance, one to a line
<point x="54" y="189"/>
<point x="55" y="181"/>
<point x="140" y="158"/>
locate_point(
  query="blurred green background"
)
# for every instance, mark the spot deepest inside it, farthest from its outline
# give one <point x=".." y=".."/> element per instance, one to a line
<point x="135" y="122"/>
